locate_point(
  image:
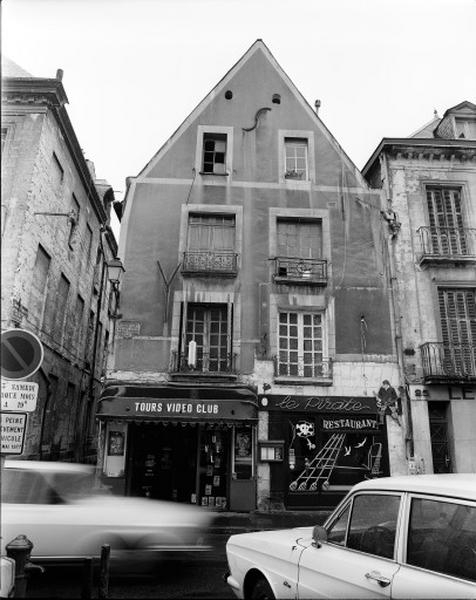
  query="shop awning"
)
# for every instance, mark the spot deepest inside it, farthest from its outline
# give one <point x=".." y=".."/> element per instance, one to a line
<point x="178" y="403"/>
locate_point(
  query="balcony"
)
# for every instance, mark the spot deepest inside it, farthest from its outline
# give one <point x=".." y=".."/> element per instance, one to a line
<point x="300" y="271"/>
<point x="447" y="245"/>
<point x="443" y="363"/>
<point x="214" y="364"/>
<point x="302" y="371"/>
<point x="210" y="263"/>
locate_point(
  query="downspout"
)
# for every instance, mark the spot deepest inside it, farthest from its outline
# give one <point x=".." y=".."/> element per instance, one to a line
<point x="395" y="321"/>
<point x="96" y="327"/>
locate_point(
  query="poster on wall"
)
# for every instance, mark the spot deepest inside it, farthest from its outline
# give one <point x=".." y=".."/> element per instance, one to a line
<point x="243" y="444"/>
<point x="115" y="445"/>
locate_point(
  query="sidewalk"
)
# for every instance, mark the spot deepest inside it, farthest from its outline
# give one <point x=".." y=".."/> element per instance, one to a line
<point x="238" y="522"/>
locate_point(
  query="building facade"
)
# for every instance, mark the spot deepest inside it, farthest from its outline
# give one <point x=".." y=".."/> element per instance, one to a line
<point x="428" y="184"/>
<point x="56" y="241"/>
<point x="256" y="325"/>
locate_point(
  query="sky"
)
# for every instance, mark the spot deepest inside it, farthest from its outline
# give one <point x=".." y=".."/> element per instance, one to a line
<point x="135" y="69"/>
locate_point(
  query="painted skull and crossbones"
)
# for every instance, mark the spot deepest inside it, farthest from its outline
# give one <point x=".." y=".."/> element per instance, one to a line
<point x="306" y="430"/>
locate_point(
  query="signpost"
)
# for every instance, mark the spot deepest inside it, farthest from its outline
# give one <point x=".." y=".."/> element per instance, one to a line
<point x="21" y="356"/>
<point x="21" y="353"/>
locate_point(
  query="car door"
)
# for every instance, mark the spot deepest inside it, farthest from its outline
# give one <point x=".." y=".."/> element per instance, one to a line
<point x="438" y="554"/>
<point x="358" y="558"/>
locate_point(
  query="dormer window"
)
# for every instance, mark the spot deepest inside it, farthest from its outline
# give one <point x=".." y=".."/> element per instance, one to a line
<point x="465" y="129"/>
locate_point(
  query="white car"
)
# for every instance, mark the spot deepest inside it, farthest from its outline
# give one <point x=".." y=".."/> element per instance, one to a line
<point x="393" y="537"/>
<point x="57" y="506"/>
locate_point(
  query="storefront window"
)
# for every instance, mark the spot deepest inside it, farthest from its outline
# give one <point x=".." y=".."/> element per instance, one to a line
<point x="213" y="468"/>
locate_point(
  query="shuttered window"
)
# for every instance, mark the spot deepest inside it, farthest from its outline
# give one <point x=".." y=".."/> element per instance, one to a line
<point x="299" y="239"/>
<point x="445" y="215"/>
<point x="211" y="232"/>
<point x="458" y="327"/>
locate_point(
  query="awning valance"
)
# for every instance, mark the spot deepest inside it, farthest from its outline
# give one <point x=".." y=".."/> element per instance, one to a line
<point x="177" y="403"/>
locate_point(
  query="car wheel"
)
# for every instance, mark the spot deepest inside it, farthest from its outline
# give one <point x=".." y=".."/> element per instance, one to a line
<point x="261" y="591"/>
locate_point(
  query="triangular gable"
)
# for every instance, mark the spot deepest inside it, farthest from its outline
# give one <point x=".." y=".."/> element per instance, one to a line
<point x="258" y="45"/>
<point x="464" y="107"/>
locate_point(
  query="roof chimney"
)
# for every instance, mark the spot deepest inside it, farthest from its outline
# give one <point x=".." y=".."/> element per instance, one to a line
<point x="59" y="74"/>
<point x="317" y="105"/>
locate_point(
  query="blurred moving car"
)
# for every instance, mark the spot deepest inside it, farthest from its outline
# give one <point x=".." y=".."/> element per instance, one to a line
<point x="57" y="506"/>
<point x="393" y="537"/>
<point x="7" y="577"/>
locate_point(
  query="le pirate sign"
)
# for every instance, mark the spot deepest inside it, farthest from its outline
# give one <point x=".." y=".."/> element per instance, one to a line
<point x="322" y="404"/>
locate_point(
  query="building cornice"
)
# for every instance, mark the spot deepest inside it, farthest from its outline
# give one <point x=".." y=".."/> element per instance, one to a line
<point x="430" y="149"/>
<point x="35" y="92"/>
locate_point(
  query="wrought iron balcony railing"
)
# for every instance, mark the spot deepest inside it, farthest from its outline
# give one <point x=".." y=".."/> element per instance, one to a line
<point x="308" y="271"/>
<point x="210" y="263"/>
<point x="317" y="369"/>
<point x="447" y="244"/>
<point x="215" y="362"/>
<point x="448" y="362"/>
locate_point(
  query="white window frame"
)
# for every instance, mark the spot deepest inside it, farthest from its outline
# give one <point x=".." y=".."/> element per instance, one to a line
<point x="300" y="350"/>
<point x="307" y="136"/>
<point x="214" y="129"/>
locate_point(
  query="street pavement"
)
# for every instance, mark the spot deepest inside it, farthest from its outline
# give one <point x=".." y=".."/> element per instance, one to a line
<point x="199" y="576"/>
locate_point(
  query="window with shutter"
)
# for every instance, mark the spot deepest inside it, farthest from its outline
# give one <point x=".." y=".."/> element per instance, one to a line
<point x="445" y="215"/>
<point x="458" y="328"/>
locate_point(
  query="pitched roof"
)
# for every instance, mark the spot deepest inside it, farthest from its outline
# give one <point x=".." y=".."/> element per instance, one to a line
<point x="426" y="131"/>
<point x="257" y="46"/>
<point x="11" y="69"/>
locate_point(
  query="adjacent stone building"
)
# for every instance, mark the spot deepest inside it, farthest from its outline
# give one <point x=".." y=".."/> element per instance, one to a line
<point x="56" y="240"/>
<point x="428" y="186"/>
<point x="255" y="336"/>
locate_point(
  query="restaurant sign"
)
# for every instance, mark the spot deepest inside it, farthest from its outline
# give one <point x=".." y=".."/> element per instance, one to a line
<point x="320" y="404"/>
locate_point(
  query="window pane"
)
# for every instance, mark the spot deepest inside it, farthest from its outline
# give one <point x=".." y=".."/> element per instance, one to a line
<point x="373" y="524"/>
<point x="337" y="531"/>
<point x="442" y="537"/>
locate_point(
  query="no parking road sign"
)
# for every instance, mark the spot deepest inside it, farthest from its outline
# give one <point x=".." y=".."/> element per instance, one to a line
<point x="21" y="353"/>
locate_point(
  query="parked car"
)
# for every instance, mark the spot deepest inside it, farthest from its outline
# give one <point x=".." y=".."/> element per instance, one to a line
<point x="393" y="537"/>
<point x="59" y="508"/>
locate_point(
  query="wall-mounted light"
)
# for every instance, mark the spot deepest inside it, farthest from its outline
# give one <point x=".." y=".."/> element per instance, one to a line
<point x="115" y="269"/>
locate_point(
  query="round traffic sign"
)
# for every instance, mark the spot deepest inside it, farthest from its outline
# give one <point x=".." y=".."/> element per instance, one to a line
<point x="21" y="353"/>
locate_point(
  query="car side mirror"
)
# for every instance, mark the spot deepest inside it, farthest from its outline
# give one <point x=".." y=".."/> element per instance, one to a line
<point x="319" y="534"/>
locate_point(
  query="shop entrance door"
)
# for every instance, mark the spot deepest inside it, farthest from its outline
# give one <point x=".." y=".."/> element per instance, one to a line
<point x="164" y="461"/>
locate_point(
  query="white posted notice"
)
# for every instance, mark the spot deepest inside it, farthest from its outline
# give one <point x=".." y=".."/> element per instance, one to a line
<point x="13" y="426"/>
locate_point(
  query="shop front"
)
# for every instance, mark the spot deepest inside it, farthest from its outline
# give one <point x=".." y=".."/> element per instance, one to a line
<point x="329" y="444"/>
<point x="184" y="444"/>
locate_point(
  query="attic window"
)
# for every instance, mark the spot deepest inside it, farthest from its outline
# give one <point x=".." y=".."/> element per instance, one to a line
<point x="465" y="129"/>
<point x="214" y="153"/>
<point x="296" y="159"/>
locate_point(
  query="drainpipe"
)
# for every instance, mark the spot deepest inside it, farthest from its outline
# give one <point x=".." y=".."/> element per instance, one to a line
<point x="96" y="327"/>
<point x="396" y="323"/>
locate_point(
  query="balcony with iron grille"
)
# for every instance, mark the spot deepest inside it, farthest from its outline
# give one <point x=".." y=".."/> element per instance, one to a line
<point x="447" y="245"/>
<point x="300" y="271"/>
<point x="214" y="364"/>
<point x="304" y="371"/>
<point x="210" y="263"/>
<point x="444" y="363"/>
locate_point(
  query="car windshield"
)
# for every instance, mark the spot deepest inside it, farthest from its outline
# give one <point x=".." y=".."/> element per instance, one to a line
<point x="25" y="486"/>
